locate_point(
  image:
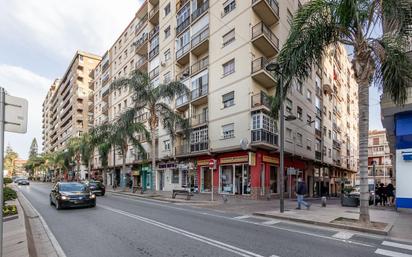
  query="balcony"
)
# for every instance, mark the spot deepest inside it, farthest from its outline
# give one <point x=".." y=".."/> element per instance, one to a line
<point x="336" y="144"/>
<point x="154" y="73"/>
<point x="318" y="133"/>
<point x="260" y="101"/>
<point x="182" y="55"/>
<point x="199" y="95"/>
<point x="154" y="32"/>
<point x="199" y="120"/>
<point x="140" y="25"/>
<point x="318" y="155"/>
<point x="180" y="4"/>
<point x="202" y="9"/>
<point x="267" y="10"/>
<point x="192" y="149"/>
<point x="154" y="52"/>
<point x="141" y="44"/>
<point x="264" y="39"/>
<point x="200" y="65"/>
<point x="183" y="74"/>
<point x="154" y="15"/>
<point x="182" y="26"/>
<point x="141" y="64"/>
<point x="260" y="74"/>
<point x="200" y="42"/>
<point x="264" y="138"/>
<point x="182" y="103"/>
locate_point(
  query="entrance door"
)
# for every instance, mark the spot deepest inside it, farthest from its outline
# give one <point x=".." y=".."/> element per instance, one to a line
<point x="161" y="180"/>
<point x="238" y="179"/>
<point x="206" y="179"/>
<point x="273" y="179"/>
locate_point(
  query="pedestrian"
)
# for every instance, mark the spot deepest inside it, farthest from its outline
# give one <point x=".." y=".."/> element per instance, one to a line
<point x="382" y="194"/>
<point x="390" y="193"/>
<point x="300" y="193"/>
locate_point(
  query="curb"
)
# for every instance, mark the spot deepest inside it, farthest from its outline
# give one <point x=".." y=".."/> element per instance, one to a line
<point x="384" y="232"/>
<point x="36" y="221"/>
<point x="158" y="199"/>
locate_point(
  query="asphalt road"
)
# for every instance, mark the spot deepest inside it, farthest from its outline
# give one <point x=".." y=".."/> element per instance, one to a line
<point x="123" y="226"/>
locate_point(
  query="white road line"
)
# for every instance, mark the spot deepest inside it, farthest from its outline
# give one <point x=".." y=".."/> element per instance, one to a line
<point x="397" y="245"/>
<point x="182" y="232"/>
<point x="270" y="222"/>
<point x="241" y="217"/>
<point x="343" y="235"/>
<point x="391" y="253"/>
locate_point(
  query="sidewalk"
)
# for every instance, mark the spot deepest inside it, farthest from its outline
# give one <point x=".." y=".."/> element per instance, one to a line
<point x="14" y="237"/>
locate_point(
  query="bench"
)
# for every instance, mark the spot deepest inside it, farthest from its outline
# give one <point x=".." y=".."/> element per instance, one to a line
<point x="181" y="192"/>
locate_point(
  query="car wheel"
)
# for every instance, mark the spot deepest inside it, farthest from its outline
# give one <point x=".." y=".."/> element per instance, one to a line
<point x="93" y="205"/>
<point x="57" y="205"/>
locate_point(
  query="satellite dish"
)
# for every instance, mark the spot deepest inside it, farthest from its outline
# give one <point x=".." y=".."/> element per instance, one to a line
<point x="244" y="143"/>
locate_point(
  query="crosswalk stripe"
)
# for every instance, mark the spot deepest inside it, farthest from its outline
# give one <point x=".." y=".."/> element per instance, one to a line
<point x="242" y="217"/>
<point x="343" y="235"/>
<point x="397" y="245"/>
<point x="270" y="222"/>
<point x="391" y="253"/>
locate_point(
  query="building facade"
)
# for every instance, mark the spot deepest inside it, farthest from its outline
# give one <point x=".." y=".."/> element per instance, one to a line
<point x="219" y="50"/>
<point x="66" y="107"/>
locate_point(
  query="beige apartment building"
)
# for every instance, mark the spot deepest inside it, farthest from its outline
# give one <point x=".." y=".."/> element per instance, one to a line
<point x="66" y="107"/>
<point x="219" y="50"/>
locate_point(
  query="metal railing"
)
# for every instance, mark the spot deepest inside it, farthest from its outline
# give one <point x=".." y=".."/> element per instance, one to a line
<point x="259" y="64"/>
<point x="141" y="41"/>
<point x="264" y="136"/>
<point x="153" y="53"/>
<point x="200" y="91"/>
<point x="184" y="74"/>
<point x="272" y="3"/>
<point x="200" y="10"/>
<point x="154" y="73"/>
<point x="141" y="61"/>
<point x="261" y="29"/>
<point x="182" y="26"/>
<point x="260" y="99"/>
<point x="200" y="37"/>
<point x="153" y="11"/>
<point x="183" y="50"/>
<point x="182" y="100"/>
<point x="180" y="4"/>
<point x="153" y="32"/>
<point x="141" y="24"/>
<point x="200" y="65"/>
<point x="199" y="119"/>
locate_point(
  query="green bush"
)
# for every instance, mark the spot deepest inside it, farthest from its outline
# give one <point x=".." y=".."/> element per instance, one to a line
<point x="7" y="181"/>
<point x="9" y="210"/>
<point x="9" y="194"/>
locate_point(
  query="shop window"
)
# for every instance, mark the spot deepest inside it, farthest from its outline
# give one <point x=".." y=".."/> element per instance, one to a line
<point x="273" y="179"/>
<point x="175" y="176"/>
<point x="226" y="179"/>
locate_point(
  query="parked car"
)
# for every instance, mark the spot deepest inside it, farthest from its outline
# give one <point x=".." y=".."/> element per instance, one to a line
<point x="356" y="193"/>
<point x="17" y="179"/>
<point x="96" y="187"/>
<point x="23" y="182"/>
<point x="71" y="194"/>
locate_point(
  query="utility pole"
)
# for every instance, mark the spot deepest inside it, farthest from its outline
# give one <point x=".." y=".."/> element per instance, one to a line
<point x="2" y="121"/>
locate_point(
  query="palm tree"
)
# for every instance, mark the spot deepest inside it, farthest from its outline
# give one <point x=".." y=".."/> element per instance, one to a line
<point x="152" y="100"/>
<point x="86" y="148"/>
<point x="73" y="153"/>
<point x="104" y="150"/>
<point x="376" y="58"/>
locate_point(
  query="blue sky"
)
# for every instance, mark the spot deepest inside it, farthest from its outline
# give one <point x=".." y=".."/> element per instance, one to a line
<point x="39" y="38"/>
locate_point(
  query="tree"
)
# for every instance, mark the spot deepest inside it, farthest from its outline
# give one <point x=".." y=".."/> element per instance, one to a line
<point x="152" y="100"/>
<point x="104" y="150"/>
<point x="86" y="149"/>
<point x="33" y="149"/>
<point x="376" y="58"/>
<point x="9" y="159"/>
<point x="74" y="154"/>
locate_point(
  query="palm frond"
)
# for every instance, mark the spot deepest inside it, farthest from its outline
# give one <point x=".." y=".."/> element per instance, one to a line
<point x="397" y="16"/>
<point x="171" y="90"/>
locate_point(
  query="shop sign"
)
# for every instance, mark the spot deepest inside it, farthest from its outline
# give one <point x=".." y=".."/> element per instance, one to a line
<point x="234" y="159"/>
<point x="183" y="166"/>
<point x="136" y="173"/>
<point x="169" y="165"/>
<point x="270" y="159"/>
<point x="203" y="162"/>
<point x="252" y="158"/>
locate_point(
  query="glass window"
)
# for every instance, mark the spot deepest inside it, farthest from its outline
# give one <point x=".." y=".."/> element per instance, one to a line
<point x="167" y="9"/>
<point x="299" y="139"/>
<point x="289" y="105"/>
<point x="246" y="185"/>
<point x="300" y="113"/>
<point x="229" y="67"/>
<point x="228" y="6"/>
<point x="317" y="124"/>
<point x="309" y="95"/>
<point x="167" y="32"/>
<point x="229" y="37"/>
<point x="308" y="144"/>
<point x="289" y="133"/>
<point x="183" y="14"/>
<point x="299" y="86"/>
<point x="175" y="176"/>
<point x="289" y="17"/>
<point x="317" y="145"/>
<point x="228" y="99"/>
<point x="167" y="77"/>
<point x="228" y="131"/>
<point x="167" y="55"/>
<point x="166" y="145"/>
<point x="226" y="179"/>
<point x="309" y="120"/>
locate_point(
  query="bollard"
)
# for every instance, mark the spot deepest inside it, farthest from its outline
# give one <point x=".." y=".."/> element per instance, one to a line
<point x="323" y="201"/>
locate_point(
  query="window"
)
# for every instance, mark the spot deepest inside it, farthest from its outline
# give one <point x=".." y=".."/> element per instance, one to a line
<point x="125" y="103"/>
<point x="166" y="145"/>
<point x="289" y="105"/>
<point x="329" y="134"/>
<point x="228" y="6"/>
<point x="167" y="77"/>
<point x="229" y="67"/>
<point x="300" y="113"/>
<point x="167" y="32"/>
<point x="329" y="153"/>
<point x="288" y="133"/>
<point x="228" y="99"/>
<point x="330" y="115"/>
<point x="309" y="95"/>
<point x="228" y="131"/>
<point x="308" y="144"/>
<point x="167" y="55"/>
<point x="317" y="145"/>
<point x="299" y="139"/>
<point x="309" y="120"/>
<point x="317" y="123"/>
<point x="229" y="37"/>
<point x="167" y="9"/>
<point x="299" y="86"/>
<point x="290" y="17"/>
<point x="175" y="176"/>
<point x="376" y="141"/>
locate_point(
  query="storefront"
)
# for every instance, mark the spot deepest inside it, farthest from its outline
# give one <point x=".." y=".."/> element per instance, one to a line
<point x="205" y="175"/>
<point x="146" y="176"/>
<point x="234" y="175"/>
<point x="188" y="175"/>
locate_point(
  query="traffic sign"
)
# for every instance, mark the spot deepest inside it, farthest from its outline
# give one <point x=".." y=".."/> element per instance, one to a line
<point x="212" y="164"/>
<point x="15" y="114"/>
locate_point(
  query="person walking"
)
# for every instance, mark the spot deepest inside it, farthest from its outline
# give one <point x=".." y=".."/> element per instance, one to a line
<point x="300" y="193"/>
<point x="382" y="194"/>
<point x="390" y="193"/>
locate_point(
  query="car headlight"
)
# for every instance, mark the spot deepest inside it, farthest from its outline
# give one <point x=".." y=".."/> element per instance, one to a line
<point x="92" y="196"/>
<point x="65" y="197"/>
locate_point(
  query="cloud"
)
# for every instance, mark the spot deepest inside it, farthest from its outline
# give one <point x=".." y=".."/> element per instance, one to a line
<point x="65" y="26"/>
<point x="23" y="83"/>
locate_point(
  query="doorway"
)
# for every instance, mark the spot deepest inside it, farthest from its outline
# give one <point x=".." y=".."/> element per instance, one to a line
<point x="273" y="170"/>
<point x="206" y="179"/>
<point x="161" y="180"/>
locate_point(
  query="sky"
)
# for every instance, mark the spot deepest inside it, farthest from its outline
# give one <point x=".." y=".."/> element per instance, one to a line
<point x="38" y="40"/>
<point x="40" y="37"/>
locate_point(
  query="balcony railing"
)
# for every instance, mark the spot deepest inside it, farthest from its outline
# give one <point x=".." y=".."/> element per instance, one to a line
<point x="261" y="29"/>
<point x="180" y="4"/>
<point x="153" y="53"/>
<point x="141" y="61"/>
<point x="200" y="65"/>
<point x="200" y="10"/>
<point x="154" y="73"/>
<point x="272" y="3"/>
<point x="264" y="136"/>
<point x="260" y="99"/>
<point x="199" y="119"/>
<point x="259" y="64"/>
<point x="183" y="50"/>
<point x="142" y="40"/>
<point x="199" y="147"/>
<point x="153" y="12"/>
<point x="200" y="91"/>
<point x="184" y="74"/>
<point x="153" y="32"/>
<point x="182" y="100"/>
<point x="200" y="37"/>
<point x="336" y="144"/>
<point x="141" y="24"/>
<point x="182" y="26"/>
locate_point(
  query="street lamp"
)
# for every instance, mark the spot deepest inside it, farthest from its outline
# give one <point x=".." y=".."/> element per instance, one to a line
<point x="274" y="67"/>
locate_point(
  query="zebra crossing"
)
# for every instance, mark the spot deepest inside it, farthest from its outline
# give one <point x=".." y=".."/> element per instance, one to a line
<point x="394" y="249"/>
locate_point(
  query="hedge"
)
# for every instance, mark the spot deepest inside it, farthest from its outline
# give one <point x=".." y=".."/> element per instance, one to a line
<point x="9" y="210"/>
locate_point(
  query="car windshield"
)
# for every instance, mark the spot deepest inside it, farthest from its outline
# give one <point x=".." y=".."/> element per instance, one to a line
<point x="73" y="187"/>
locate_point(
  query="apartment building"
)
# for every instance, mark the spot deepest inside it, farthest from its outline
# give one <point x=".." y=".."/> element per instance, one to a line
<point x="66" y="107"/>
<point x="219" y="50"/>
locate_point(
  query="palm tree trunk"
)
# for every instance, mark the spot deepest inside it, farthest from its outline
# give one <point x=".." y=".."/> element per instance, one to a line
<point x="123" y="173"/>
<point x="105" y="176"/>
<point x="153" y="152"/>
<point x="89" y="166"/>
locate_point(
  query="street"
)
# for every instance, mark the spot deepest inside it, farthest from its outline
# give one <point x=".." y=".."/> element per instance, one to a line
<point x="122" y="226"/>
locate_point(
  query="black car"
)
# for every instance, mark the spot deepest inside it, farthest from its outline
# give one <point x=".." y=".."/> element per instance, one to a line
<point x="96" y="187"/>
<point x="23" y="182"/>
<point x="71" y="194"/>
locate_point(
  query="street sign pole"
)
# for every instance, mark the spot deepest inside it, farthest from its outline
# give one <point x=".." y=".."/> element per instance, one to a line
<point x="211" y="171"/>
<point x="2" y="121"/>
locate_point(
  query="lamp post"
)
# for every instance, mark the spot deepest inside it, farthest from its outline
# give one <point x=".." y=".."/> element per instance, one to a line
<point x="274" y="67"/>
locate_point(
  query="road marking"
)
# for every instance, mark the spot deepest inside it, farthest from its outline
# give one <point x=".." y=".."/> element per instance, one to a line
<point x="241" y="217"/>
<point x="391" y="253"/>
<point x="397" y="245"/>
<point x="343" y="235"/>
<point x="270" y="222"/>
<point x="186" y="233"/>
